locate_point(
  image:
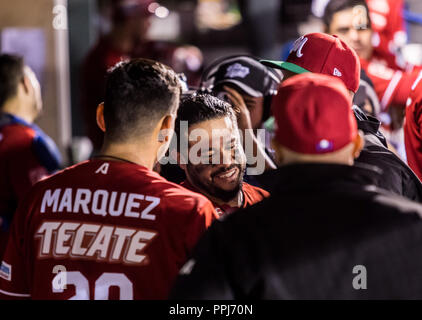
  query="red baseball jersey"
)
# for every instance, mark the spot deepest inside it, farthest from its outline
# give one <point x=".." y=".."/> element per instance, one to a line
<point x="251" y="196"/>
<point x="413" y="128"/>
<point x="118" y="230"/>
<point x="20" y="169"/>
<point x="392" y="86"/>
<point x="389" y="31"/>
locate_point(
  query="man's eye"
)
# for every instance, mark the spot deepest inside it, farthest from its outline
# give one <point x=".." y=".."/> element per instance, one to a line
<point x="343" y="30"/>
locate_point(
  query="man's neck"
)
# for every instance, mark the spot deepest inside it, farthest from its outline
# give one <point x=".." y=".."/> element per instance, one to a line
<point x="141" y="155"/>
<point x="15" y="108"/>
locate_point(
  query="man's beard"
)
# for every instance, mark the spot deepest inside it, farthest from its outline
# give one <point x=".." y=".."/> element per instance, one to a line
<point x="214" y="191"/>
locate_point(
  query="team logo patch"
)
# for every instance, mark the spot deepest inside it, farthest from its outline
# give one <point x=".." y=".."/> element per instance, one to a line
<point x="298" y="46"/>
<point x="324" y="145"/>
<point x="237" y="71"/>
<point x="6" y="271"/>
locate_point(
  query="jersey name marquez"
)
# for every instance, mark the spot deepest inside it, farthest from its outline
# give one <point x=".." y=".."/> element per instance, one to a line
<point x="110" y="222"/>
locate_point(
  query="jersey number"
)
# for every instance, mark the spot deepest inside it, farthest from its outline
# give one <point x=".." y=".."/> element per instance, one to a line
<point x="102" y="286"/>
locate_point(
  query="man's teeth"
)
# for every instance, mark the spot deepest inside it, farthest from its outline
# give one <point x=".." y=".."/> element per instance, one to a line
<point x="228" y="174"/>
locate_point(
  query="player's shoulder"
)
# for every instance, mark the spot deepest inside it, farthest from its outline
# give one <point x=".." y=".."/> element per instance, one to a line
<point x="17" y="134"/>
<point x="177" y="196"/>
<point x="254" y="191"/>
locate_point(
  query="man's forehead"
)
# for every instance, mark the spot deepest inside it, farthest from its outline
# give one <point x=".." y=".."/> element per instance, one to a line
<point x="356" y="16"/>
<point x="218" y="123"/>
<point x="212" y="130"/>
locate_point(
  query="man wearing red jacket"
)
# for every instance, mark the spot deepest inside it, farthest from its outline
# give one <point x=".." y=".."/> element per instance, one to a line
<point x="351" y="21"/>
<point x="27" y="154"/>
<point x="389" y="31"/>
<point x="213" y="158"/>
<point x="413" y="127"/>
<point x="118" y="229"/>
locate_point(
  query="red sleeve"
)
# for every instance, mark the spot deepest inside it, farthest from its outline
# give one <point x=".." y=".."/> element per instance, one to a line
<point x="23" y="167"/>
<point x="13" y="270"/>
<point x="201" y="220"/>
<point x="404" y="88"/>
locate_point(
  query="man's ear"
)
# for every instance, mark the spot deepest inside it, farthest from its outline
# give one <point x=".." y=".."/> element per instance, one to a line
<point x="26" y="83"/>
<point x="167" y="122"/>
<point x="100" y="117"/>
<point x="359" y="143"/>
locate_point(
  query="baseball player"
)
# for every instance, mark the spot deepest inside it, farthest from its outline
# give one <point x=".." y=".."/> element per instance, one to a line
<point x="412" y="127"/>
<point x="338" y="60"/>
<point x="220" y="166"/>
<point x="326" y="232"/>
<point x="110" y="228"/>
<point x="350" y="20"/>
<point x="27" y="154"/>
<point x="249" y="87"/>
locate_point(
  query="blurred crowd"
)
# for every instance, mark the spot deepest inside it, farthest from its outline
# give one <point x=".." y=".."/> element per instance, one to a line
<point x="250" y="178"/>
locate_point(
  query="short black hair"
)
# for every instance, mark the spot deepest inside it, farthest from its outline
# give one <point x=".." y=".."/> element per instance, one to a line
<point x="138" y="94"/>
<point x="200" y="107"/>
<point x="335" y="6"/>
<point x="11" y="73"/>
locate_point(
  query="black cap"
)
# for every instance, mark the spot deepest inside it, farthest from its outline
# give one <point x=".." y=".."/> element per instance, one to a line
<point x="243" y="72"/>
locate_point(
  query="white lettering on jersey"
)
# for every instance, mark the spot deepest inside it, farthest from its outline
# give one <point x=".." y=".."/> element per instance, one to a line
<point x="66" y="201"/>
<point x="82" y="199"/>
<point x="101" y="243"/>
<point x="63" y="236"/>
<point x="131" y="204"/>
<point x="50" y="200"/>
<point x="100" y="207"/>
<point x="100" y="203"/>
<point x="84" y="241"/>
<point x="138" y="243"/>
<point x="155" y="202"/>
<point x="103" y="169"/>
<point x="46" y="233"/>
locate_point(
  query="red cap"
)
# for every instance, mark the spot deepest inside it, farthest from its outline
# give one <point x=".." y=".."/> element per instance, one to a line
<point x="323" y="53"/>
<point x="313" y="114"/>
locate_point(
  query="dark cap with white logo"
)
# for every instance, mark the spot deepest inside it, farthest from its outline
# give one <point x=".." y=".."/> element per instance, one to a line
<point x="243" y="72"/>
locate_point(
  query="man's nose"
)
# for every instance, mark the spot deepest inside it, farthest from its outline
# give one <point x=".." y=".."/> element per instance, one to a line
<point x="354" y="34"/>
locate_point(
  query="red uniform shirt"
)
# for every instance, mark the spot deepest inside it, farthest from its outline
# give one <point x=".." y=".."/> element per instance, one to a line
<point x="120" y="230"/>
<point x="20" y="169"/>
<point x="251" y="196"/>
<point x="392" y="86"/>
<point x="413" y="128"/>
<point x="389" y="31"/>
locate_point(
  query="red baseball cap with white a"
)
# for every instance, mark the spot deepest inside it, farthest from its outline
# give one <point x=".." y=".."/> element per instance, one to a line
<point x="313" y="114"/>
<point x="322" y="53"/>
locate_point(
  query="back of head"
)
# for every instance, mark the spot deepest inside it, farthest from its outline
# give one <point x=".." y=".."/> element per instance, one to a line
<point x="139" y="93"/>
<point x="335" y="6"/>
<point x="11" y="72"/>
<point x="313" y="116"/>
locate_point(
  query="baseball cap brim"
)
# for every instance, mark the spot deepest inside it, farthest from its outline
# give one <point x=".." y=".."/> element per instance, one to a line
<point x="284" y="65"/>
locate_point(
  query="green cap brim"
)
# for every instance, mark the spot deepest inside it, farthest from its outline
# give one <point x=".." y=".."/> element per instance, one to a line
<point x="284" y="65"/>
